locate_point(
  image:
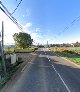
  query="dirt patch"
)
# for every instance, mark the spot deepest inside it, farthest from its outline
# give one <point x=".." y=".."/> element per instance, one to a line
<point x="71" y="52"/>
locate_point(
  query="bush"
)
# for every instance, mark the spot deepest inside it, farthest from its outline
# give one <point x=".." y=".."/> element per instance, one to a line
<point x="4" y="80"/>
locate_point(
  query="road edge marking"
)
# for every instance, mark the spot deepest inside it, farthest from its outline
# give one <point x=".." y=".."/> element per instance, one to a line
<point x="24" y="68"/>
<point x="49" y="59"/>
<point x="61" y="79"/>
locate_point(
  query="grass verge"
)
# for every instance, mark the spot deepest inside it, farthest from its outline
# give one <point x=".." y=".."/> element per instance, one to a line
<point x="11" y="50"/>
<point x="74" y="58"/>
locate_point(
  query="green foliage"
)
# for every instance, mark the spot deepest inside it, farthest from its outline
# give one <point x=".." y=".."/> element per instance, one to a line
<point x="72" y="57"/>
<point x="9" y="50"/>
<point x="22" y="40"/>
<point x="77" y="51"/>
<point x="10" y="71"/>
<point x="26" y="49"/>
<point x="4" y="80"/>
<point x="9" y="66"/>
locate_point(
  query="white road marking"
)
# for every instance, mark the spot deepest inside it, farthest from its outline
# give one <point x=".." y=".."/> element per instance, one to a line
<point x="49" y="59"/>
<point x="61" y="79"/>
<point x="24" y="68"/>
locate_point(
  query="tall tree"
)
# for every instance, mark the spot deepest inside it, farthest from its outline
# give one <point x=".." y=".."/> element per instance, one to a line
<point x="22" y="40"/>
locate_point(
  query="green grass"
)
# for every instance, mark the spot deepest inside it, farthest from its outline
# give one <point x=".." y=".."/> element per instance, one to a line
<point x="12" y="49"/>
<point x="4" y="80"/>
<point x="0" y="65"/>
<point x="11" y="69"/>
<point x="9" y="50"/>
<point x="71" y="57"/>
<point x="7" y="77"/>
<point x="77" y="51"/>
<point x="31" y="49"/>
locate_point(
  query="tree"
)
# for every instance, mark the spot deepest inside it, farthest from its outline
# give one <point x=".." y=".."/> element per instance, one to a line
<point x="77" y="44"/>
<point x="22" y="40"/>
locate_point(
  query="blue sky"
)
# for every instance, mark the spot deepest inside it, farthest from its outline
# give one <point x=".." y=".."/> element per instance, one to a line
<point x="46" y="20"/>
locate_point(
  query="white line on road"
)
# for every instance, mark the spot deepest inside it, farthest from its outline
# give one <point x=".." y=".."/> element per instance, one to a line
<point x="61" y="79"/>
<point x="49" y="59"/>
<point x="23" y="68"/>
<point x="47" y="56"/>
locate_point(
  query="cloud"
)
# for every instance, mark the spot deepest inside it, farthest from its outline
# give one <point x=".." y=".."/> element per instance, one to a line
<point x="23" y="16"/>
<point x="38" y="37"/>
<point x="9" y="28"/>
<point x="28" y="25"/>
<point x="28" y="13"/>
<point x="37" y="30"/>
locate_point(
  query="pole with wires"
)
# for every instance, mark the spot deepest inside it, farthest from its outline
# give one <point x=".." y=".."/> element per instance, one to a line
<point x="9" y="15"/>
<point x="3" y="61"/>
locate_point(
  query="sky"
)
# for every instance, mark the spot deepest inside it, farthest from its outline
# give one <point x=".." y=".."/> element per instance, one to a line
<point x="55" y="21"/>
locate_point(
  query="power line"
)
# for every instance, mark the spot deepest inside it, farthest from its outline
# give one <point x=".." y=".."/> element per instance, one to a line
<point x="7" y="11"/>
<point x="17" y="7"/>
<point x="68" y="27"/>
<point x="12" y="18"/>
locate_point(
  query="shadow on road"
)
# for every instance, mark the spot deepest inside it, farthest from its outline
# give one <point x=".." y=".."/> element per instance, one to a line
<point x="70" y="75"/>
<point x="39" y="76"/>
<point x="49" y="53"/>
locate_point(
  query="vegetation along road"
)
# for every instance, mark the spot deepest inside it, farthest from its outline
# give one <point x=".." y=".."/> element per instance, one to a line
<point x="47" y="73"/>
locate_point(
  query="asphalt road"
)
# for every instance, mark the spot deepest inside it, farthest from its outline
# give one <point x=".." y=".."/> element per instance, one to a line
<point x="47" y="75"/>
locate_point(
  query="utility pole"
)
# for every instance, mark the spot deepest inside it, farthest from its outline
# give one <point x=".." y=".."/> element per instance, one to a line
<point x="47" y="43"/>
<point x="38" y="44"/>
<point x="3" y="61"/>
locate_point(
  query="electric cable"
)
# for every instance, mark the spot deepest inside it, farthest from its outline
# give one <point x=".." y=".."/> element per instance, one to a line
<point x="10" y="16"/>
<point x="17" y="7"/>
<point x="12" y="19"/>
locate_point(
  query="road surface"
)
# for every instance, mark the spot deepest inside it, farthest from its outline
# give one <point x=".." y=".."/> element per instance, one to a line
<point x="47" y="75"/>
